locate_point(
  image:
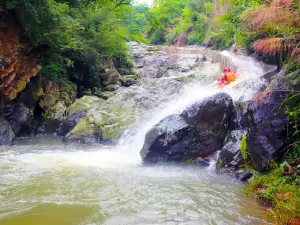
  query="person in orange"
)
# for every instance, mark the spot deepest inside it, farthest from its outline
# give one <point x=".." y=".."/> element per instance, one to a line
<point x="229" y="76"/>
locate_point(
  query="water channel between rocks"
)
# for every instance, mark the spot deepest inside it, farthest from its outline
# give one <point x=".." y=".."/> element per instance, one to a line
<point x="46" y="182"/>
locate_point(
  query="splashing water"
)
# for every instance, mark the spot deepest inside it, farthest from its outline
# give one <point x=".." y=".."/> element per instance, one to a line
<point x="44" y="181"/>
<point x="190" y="94"/>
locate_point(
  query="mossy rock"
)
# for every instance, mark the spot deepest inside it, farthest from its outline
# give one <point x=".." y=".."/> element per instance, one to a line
<point x="66" y="98"/>
<point x="37" y="94"/>
<point x="126" y="71"/>
<point x="96" y="91"/>
<point x="56" y="112"/>
<point x="106" y="95"/>
<point x="52" y="89"/>
<point x="129" y="80"/>
<point x="112" y="87"/>
<point x="103" y="119"/>
<point x="111" y="76"/>
<point x="47" y="101"/>
<point x="87" y="92"/>
<point x="69" y="88"/>
<point x="84" y="104"/>
<point x="84" y="128"/>
<point x="21" y="85"/>
<point x="111" y="132"/>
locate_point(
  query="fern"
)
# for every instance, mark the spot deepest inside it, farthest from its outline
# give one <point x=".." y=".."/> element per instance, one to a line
<point x="244" y="148"/>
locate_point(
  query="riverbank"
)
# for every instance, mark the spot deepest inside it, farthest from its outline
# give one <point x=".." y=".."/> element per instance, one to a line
<point x="280" y="192"/>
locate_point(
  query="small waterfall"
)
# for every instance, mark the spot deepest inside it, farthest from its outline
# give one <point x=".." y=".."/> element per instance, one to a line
<point x="126" y="152"/>
<point x="132" y="141"/>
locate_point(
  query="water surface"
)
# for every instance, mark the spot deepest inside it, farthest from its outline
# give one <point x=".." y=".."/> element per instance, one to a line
<point x="53" y="183"/>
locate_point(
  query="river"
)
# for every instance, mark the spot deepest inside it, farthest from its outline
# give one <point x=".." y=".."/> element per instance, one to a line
<point x="44" y="181"/>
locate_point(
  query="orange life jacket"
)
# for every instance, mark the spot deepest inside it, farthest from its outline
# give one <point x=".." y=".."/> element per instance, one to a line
<point x="230" y="76"/>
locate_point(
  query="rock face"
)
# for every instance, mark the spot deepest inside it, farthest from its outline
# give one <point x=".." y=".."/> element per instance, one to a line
<point x="6" y="133"/>
<point x="198" y="132"/>
<point x="263" y="124"/>
<point x="268" y="132"/>
<point x="230" y="156"/>
<point x="17" y="67"/>
<point x="54" y="102"/>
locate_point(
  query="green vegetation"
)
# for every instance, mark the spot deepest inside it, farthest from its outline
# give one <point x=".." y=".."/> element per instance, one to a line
<point x="64" y="30"/>
<point x="137" y="21"/>
<point x="263" y="26"/>
<point x="244" y="148"/>
<point x="280" y="191"/>
<point x="280" y="188"/>
<point x="169" y="19"/>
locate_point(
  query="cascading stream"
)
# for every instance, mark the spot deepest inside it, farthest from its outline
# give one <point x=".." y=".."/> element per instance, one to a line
<point x="44" y="181"/>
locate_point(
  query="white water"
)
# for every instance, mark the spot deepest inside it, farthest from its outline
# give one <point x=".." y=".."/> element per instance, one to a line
<point x="110" y="186"/>
<point x="127" y="151"/>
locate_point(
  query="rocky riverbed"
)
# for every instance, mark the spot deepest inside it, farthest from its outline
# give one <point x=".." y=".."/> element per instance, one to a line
<point x="204" y="122"/>
<point x="99" y="166"/>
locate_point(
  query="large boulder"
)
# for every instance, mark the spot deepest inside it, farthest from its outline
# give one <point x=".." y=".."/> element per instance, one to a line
<point x="263" y="125"/>
<point x="268" y="129"/>
<point x="92" y="119"/>
<point x="198" y="132"/>
<point x="19" y="116"/>
<point x="6" y="133"/>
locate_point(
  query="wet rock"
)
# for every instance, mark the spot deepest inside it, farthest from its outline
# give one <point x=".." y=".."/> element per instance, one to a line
<point x="71" y="121"/>
<point x="152" y="62"/>
<point x="6" y="133"/>
<point x="19" y="116"/>
<point x="198" y="132"/>
<point x="50" y="97"/>
<point x="96" y="91"/>
<point x="264" y="124"/>
<point x="167" y="141"/>
<point x="268" y="130"/>
<point x="242" y="119"/>
<point x="129" y="80"/>
<point x="243" y="175"/>
<point x="203" y="162"/>
<point x="86" y="92"/>
<point x="55" y="102"/>
<point x="230" y="155"/>
<point x="112" y="87"/>
<point x="106" y="95"/>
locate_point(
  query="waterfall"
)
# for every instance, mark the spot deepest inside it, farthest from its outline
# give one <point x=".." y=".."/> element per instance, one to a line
<point x="132" y="141"/>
